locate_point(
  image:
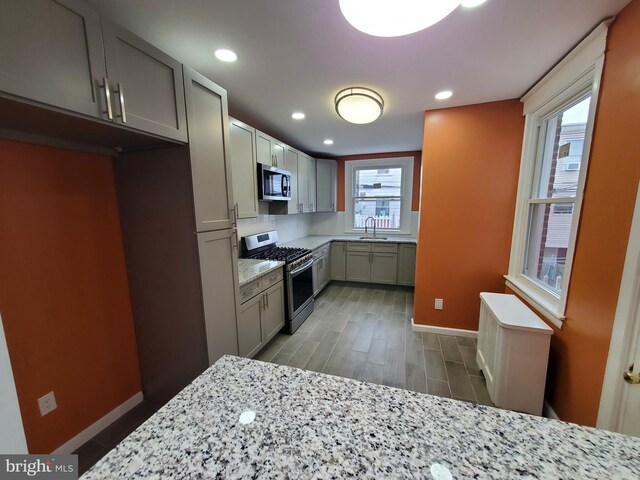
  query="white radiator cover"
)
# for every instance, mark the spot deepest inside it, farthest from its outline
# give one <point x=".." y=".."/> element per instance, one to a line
<point x="513" y="352"/>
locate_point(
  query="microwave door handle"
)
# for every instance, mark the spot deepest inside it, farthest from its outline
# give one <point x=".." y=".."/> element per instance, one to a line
<point x="283" y="185"/>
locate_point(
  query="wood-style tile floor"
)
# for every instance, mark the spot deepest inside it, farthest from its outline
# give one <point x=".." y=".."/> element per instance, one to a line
<point x="364" y="332"/>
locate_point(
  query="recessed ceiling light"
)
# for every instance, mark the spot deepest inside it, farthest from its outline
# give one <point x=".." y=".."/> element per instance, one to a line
<point x="392" y="18"/>
<point x="472" y="3"/>
<point x="226" y="55"/>
<point x="297" y="115"/>
<point x="444" y="95"/>
<point x="328" y="141"/>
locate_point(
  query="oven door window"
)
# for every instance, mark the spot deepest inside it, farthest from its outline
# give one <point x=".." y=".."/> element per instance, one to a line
<point x="302" y="288"/>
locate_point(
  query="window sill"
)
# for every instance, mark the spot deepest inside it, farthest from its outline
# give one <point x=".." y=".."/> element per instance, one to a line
<point x="548" y="309"/>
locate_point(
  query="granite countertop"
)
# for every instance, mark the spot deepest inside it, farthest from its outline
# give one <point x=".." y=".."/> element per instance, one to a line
<point x="250" y="269"/>
<point x="312" y="425"/>
<point x="316" y="241"/>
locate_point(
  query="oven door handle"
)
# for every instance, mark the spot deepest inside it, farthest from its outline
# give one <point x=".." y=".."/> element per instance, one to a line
<point x="298" y="270"/>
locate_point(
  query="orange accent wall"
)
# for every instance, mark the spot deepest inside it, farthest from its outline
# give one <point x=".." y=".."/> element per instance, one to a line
<point x="470" y="166"/>
<point x="415" y="200"/>
<point x="64" y="294"/>
<point x="612" y="181"/>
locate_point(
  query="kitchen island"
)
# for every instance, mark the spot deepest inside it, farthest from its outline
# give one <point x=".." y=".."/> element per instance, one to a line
<point x="308" y="425"/>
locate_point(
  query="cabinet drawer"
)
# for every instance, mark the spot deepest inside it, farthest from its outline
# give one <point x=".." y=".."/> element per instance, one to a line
<point x="250" y="290"/>
<point x="358" y="247"/>
<point x="384" y="247"/>
<point x="321" y="252"/>
<point x="271" y="278"/>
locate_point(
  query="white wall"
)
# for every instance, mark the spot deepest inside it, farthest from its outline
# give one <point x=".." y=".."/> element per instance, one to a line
<point x="289" y="227"/>
<point x="11" y="433"/>
<point x="335" y="224"/>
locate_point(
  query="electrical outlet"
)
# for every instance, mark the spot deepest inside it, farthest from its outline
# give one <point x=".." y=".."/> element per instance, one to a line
<point x="439" y="304"/>
<point x="47" y="404"/>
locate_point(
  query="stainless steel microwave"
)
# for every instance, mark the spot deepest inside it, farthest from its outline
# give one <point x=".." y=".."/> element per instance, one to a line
<point x="273" y="183"/>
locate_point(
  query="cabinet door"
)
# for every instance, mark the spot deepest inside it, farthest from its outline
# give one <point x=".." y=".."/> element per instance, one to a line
<point x="337" y="261"/>
<point x="325" y="185"/>
<point x="208" y="148"/>
<point x="146" y="84"/>
<point x="51" y="52"/>
<point x="406" y="264"/>
<point x="303" y="183"/>
<point x="264" y="153"/>
<point x="250" y="338"/>
<point x="316" y="277"/>
<point x="384" y="267"/>
<point x="292" y="165"/>
<point x="279" y="151"/>
<point x="219" y="275"/>
<point x="242" y="150"/>
<point x="324" y="271"/>
<point x="272" y="318"/>
<point x="358" y="266"/>
<point x="312" y="183"/>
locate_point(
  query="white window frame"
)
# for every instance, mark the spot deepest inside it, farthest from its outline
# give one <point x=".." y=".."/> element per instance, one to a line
<point x="577" y="75"/>
<point x="406" y="163"/>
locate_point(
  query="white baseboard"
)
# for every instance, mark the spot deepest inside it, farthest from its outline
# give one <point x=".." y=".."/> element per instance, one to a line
<point x="548" y="412"/>
<point x="458" y="332"/>
<point x="95" y="428"/>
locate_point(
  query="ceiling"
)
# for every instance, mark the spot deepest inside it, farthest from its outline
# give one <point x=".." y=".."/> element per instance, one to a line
<point x="295" y="55"/>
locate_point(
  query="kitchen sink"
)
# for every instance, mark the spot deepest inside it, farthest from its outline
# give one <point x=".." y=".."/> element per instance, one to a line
<point x="372" y="238"/>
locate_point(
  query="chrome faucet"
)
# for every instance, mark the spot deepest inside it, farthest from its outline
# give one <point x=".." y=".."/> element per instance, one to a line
<point x="374" y="226"/>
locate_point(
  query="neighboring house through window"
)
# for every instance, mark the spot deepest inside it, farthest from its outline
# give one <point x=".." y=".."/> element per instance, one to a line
<point x="380" y="194"/>
<point x="559" y="114"/>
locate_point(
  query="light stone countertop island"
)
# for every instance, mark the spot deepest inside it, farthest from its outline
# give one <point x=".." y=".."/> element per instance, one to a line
<point x="312" y="425"/>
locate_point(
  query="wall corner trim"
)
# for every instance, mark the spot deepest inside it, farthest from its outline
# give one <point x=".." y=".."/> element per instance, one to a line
<point x="95" y="428"/>
<point x="549" y="412"/>
<point x="416" y="327"/>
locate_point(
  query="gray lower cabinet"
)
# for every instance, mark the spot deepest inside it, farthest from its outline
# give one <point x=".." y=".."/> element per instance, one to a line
<point x="321" y="268"/>
<point x="406" y="264"/>
<point x="338" y="261"/>
<point x="358" y="268"/>
<point x="62" y="54"/>
<point x="242" y="138"/>
<point x="51" y="52"/>
<point x="219" y="275"/>
<point x="372" y="262"/>
<point x="146" y="83"/>
<point x="208" y="148"/>
<point x="261" y="316"/>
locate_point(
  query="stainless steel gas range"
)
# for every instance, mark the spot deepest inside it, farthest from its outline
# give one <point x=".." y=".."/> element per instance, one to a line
<point x="298" y="274"/>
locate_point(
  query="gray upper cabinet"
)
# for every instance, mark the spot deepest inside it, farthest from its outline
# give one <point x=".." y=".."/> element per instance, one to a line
<point x="326" y="172"/>
<point x="270" y="151"/>
<point x="306" y="183"/>
<point x="51" y="52"/>
<point x="207" y="119"/>
<point x="293" y="205"/>
<point x="243" y="165"/>
<point x="146" y="83"/>
<point x="61" y="54"/>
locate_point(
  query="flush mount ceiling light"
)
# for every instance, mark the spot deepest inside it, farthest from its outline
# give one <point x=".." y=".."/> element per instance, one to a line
<point x="226" y="55"/>
<point x="359" y="105"/>
<point x="297" y="115"/>
<point x="392" y="18"/>
<point x="328" y="141"/>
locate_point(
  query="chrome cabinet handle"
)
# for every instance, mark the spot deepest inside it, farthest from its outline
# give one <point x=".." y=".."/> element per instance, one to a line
<point x="311" y="207"/>
<point x="107" y="94"/>
<point x="236" y="210"/>
<point x="235" y="235"/>
<point x="123" y="112"/>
